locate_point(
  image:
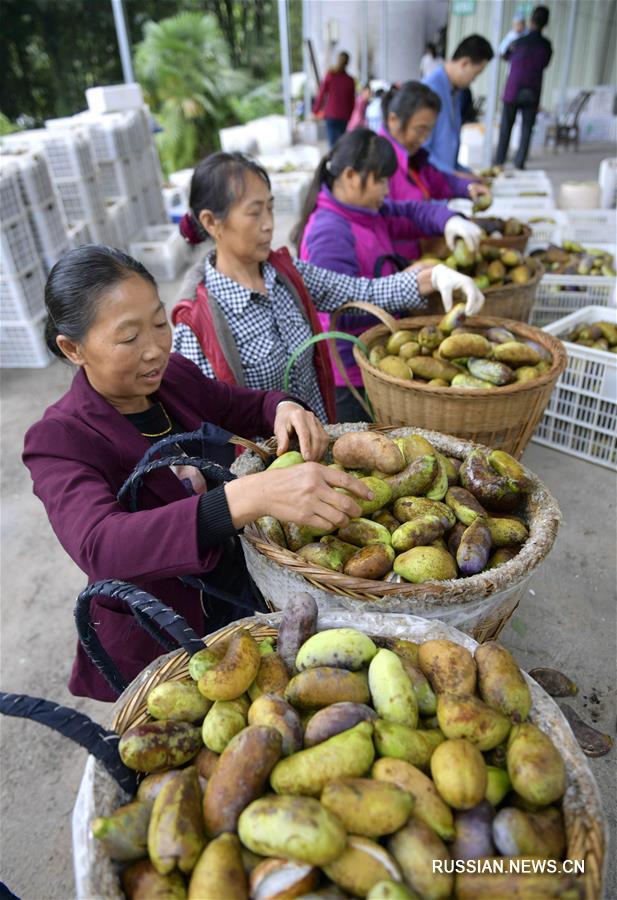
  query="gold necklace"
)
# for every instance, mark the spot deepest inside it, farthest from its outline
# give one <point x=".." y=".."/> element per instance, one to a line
<point x="161" y="433"/>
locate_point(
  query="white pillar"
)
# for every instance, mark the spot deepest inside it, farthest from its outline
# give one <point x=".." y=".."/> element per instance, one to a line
<point x="284" y="45"/>
<point x="306" y="62"/>
<point x="384" y="41"/>
<point x="493" y="79"/>
<point x="567" y="58"/>
<point x="123" y="41"/>
<point x="364" y="53"/>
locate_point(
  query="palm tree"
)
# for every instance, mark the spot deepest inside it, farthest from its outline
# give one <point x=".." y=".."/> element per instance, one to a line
<point x="184" y="67"/>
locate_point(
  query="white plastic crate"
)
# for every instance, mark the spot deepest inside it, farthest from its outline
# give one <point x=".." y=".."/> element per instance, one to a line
<point x="116" y="178"/>
<point x="101" y="231"/>
<point x="49" y="229"/>
<point x="607" y="179"/>
<point x="515" y="189"/>
<point x="136" y="213"/>
<point x="119" y="221"/>
<point x="81" y="199"/>
<point x="18" y="249"/>
<point x="559" y="295"/>
<point x="289" y="191"/>
<point x="152" y="200"/>
<point x="22" y="345"/>
<point x="182" y="178"/>
<point x="78" y="234"/>
<point x="153" y="162"/>
<point x="67" y="151"/>
<point x="591" y="225"/>
<point x="22" y="296"/>
<point x="162" y="250"/>
<point x="581" y="416"/>
<point x="11" y="203"/>
<point x="112" y="97"/>
<point x="175" y="200"/>
<point x="546" y="226"/>
<point x="33" y="176"/>
<point x="510" y="206"/>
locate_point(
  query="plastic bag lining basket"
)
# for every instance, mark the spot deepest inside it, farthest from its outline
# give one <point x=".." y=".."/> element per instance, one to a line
<point x="503" y="417"/>
<point x="99" y="794"/>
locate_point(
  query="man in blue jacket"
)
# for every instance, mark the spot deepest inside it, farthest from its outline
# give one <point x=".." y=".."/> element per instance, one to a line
<point x="448" y="80"/>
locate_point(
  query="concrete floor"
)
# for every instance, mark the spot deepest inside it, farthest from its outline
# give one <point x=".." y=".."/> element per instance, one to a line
<point x="567" y="620"/>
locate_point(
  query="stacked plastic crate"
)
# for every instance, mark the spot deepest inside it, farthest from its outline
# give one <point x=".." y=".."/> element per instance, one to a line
<point x="22" y="279"/>
<point x="129" y="171"/>
<point x="74" y="173"/>
<point x="42" y="205"/>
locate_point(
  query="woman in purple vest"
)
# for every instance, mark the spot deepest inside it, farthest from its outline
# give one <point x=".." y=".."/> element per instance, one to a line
<point x="409" y="116"/>
<point x="350" y="226"/>
<point x="130" y="391"/>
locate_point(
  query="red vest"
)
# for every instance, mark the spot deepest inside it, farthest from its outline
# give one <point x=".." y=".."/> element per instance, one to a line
<point x="198" y="316"/>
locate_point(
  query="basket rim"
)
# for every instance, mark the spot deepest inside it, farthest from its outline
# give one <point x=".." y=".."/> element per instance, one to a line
<point x="548" y="341"/>
<point x="460" y="590"/>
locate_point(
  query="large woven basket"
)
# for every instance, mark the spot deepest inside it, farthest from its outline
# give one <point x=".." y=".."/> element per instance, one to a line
<point x="96" y="876"/>
<point x="479" y="605"/>
<point x="503" y="417"/>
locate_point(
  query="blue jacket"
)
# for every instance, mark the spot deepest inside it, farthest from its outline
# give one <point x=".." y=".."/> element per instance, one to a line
<point x="444" y="142"/>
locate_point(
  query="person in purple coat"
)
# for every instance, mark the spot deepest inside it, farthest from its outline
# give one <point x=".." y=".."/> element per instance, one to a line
<point x="130" y="391"/>
<point x="349" y="226"/>
<point x="528" y="56"/>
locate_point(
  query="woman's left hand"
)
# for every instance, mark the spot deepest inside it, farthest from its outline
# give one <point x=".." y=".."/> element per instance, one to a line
<point x="312" y="437"/>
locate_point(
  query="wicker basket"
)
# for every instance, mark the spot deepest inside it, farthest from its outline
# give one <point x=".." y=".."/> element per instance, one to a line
<point x="502" y="417"/>
<point x="96" y="875"/>
<point x="479" y="605"/>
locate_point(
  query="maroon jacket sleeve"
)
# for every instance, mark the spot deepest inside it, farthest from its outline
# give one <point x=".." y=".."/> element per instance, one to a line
<point x="102" y="538"/>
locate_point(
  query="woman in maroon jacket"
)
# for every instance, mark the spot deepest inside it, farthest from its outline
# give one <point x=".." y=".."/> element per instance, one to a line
<point x="336" y="96"/>
<point x="105" y="316"/>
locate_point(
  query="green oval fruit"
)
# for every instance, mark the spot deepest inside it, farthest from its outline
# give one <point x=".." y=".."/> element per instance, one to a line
<point x="292" y="828"/>
<point x="367" y="807"/>
<point x="425" y="564"/>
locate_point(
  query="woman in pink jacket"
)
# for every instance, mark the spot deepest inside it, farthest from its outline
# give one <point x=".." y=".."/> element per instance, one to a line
<point x="349" y="226"/>
<point x="409" y="116"/>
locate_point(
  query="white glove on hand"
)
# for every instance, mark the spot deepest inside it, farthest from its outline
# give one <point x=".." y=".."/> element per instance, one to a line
<point x="459" y="227"/>
<point x="447" y="280"/>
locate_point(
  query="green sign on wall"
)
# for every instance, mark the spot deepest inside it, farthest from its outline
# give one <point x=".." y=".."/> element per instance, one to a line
<point x="463" y="7"/>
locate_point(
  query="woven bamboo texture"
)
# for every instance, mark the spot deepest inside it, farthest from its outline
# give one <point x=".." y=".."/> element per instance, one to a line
<point x="479" y="605"/>
<point x="582" y="807"/>
<point x="502" y="417"/>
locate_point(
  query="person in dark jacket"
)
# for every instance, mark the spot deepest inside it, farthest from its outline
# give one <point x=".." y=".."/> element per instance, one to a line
<point x="336" y="98"/>
<point x="105" y="316"/>
<point x="528" y="56"/>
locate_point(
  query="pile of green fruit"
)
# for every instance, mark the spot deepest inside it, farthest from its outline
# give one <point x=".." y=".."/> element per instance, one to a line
<point x="490" y="266"/>
<point x="453" y="354"/>
<point x="500" y="228"/>
<point x="574" y="259"/>
<point x="338" y="766"/>
<point x="432" y="518"/>
<point x="598" y="335"/>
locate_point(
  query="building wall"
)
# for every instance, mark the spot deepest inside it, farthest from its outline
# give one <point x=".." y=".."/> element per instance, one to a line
<point x="397" y="32"/>
<point x="593" y="57"/>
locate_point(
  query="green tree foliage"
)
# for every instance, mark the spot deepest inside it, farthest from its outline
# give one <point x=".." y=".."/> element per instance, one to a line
<point x="203" y="64"/>
<point x="184" y="68"/>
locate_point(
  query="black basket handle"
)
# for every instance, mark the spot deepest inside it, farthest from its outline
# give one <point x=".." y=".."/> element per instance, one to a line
<point x="205" y="433"/>
<point x="78" y="727"/>
<point x="161" y="623"/>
